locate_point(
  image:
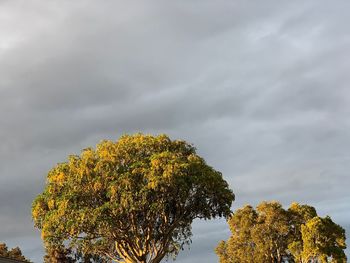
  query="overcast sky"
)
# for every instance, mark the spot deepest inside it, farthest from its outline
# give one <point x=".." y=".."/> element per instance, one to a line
<point x="261" y="88"/>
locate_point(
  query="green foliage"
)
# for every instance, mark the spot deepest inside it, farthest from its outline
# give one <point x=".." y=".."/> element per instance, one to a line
<point x="58" y="254"/>
<point x="271" y="231"/>
<point x="323" y="240"/>
<point x="132" y="200"/>
<point x="14" y="253"/>
<point x="273" y="234"/>
<point x="299" y="215"/>
<point x="240" y="247"/>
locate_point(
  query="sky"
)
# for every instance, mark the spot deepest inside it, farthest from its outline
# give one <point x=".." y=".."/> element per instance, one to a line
<point x="259" y="87"/>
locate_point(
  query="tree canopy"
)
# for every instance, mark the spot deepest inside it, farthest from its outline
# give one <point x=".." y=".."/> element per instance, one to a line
<point x="270" y="233"/>
<point x="131" y="200"/>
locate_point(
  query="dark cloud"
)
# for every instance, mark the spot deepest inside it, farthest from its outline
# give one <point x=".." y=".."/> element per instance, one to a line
<point x="259" y="88"/>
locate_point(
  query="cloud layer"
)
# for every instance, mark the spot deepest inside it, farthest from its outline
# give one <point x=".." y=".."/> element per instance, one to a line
<point x="261" y="89"/>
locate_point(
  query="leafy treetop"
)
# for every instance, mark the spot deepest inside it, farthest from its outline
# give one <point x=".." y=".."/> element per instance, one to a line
<point x="273" y="234"/>
<point x="132" y="200"/>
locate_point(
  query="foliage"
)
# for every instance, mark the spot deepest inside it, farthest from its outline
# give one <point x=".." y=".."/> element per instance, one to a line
<point x="273" y="234"/>
<point x="323" y="239"/>
<point x="58" y="254"/>
<point x="240" y="247"/>
<point x="299" y="215"/>
<point x="61" y="254"/>
<point x="14" y="253"/>
<point x="132" y="200"/>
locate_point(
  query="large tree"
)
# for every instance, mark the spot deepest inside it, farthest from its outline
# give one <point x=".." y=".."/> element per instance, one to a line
<point x="273" y="234"/>
<point x="131" y="200"/>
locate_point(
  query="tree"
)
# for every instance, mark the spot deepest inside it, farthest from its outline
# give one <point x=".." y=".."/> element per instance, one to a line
<point x="14" y="253"/>
<point x="132" y="200"/>
<point x="257" y="235"/>
<point x="273" y="234"/>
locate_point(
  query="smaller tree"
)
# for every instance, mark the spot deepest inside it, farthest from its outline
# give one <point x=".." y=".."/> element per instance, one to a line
<point x="273" y="234"/>
<point x="14" y="253"/>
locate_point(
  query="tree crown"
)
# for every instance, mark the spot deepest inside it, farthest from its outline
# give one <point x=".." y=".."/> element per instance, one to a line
<point x="132" y="200"/>
<point x="273" y="234"/>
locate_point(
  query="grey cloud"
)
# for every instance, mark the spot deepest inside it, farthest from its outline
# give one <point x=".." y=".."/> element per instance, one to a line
<point x="259" y="88"/>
